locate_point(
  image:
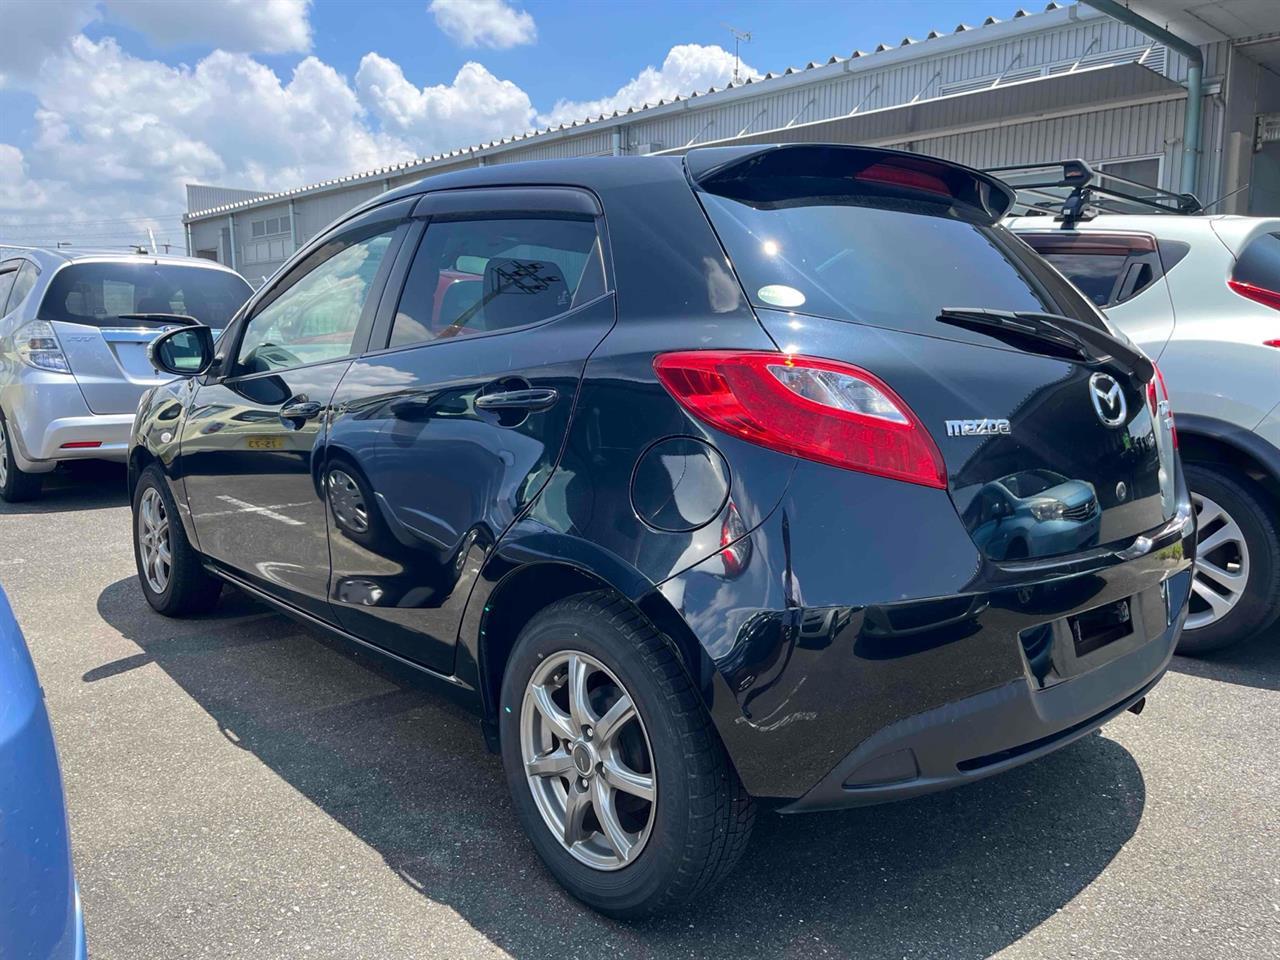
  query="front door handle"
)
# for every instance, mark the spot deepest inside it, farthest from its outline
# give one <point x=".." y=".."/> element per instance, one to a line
<point x="300" y="410"/>
<point x="533" y="398"/>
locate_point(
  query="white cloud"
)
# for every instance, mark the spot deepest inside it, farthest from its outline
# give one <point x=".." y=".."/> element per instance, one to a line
<point x="687" y="67"/>
<point x="261" y="26"/>
<point x="117" y="136"/>
<point x="17" y="190"/>
<point x="474" y="108"/>
<point x="488" y="23"/>
<point x="31" y="30"/>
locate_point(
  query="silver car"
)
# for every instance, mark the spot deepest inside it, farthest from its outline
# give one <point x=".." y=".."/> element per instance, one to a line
<point x="74" y="330"/>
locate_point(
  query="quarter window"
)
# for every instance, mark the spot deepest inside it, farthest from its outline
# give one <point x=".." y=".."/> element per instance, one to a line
<point x="22" y="284"/>
<point x="485" y="276"/>
<point x="7" y="276"/>
<point x="316" y="316"/>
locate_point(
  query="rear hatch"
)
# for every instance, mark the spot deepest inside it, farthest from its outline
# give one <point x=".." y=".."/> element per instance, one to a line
<point x="105" y="313"/>
<point x="858" y="255"/>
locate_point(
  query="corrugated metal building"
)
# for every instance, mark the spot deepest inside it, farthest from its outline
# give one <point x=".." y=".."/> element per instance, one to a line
<point x="1067" y="82"/>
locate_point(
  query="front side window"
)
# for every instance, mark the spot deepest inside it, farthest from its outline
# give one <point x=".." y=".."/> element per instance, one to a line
<point x="316" y="316"/>
<point x="483" y="276"/>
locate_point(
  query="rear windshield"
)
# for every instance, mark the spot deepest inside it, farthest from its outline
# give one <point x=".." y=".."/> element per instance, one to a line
<point x="99" y="293"/>
<point x="1259" y="264"/>
<point x="888" y="266"/>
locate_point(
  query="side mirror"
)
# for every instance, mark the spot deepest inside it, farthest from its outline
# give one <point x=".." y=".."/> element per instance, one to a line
<point x="185" y="352"/>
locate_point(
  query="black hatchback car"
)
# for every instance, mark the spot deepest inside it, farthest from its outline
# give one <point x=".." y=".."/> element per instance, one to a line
<point x="668" y="468"/>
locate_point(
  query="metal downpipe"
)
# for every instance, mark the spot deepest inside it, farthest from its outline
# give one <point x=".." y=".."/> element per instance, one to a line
<point x="1191" y="125"/>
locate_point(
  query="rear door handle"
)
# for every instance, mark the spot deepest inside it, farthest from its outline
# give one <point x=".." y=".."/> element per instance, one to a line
<point x="300" y="410"/>
<point x="534" y="398"/>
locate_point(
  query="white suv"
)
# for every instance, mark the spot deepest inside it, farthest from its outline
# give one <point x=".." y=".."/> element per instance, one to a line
<point x="74" y="330"/>
<point x="1201" y="295"/>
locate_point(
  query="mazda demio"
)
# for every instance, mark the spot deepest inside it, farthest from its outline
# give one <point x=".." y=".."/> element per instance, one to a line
<point x="680" y="472"/>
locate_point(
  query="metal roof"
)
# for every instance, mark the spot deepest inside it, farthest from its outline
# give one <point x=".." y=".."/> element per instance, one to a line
<point x="934" y="43"/>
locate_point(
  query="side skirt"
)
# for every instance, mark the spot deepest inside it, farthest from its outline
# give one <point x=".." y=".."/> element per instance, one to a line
<point x="456" y="689"/>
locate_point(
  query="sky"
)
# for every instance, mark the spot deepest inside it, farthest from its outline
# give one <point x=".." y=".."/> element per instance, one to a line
<point x="109" y="107"/>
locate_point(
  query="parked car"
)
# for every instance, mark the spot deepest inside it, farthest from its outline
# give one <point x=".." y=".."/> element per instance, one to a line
<point x="74" y="329"/>
<point x="1200" y="295"/>
<point x="40" y="916"/>
<point x="679" y="502"/>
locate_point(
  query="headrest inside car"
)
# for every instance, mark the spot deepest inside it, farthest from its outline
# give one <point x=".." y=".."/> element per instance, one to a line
<point x="519" y="291"/>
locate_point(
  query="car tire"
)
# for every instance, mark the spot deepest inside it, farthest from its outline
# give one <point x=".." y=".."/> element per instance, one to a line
<point x="696" y="825"/>
<point x="16" y="485"/>
<point x="1251" y="544"/>
<point x="182" y="586"/>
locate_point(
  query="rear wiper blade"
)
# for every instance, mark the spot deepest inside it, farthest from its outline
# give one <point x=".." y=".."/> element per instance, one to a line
<point x="1016" y="326"/>
<point x="181" y="318"/>
<point x="1067" y="334"/>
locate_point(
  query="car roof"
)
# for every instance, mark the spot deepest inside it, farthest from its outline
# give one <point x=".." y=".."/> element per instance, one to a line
<point x="1231" y="229"/>
<point x="45" y="257"/>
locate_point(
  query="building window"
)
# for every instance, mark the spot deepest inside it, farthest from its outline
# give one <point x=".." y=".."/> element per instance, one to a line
<point x="1142" y="170"/>
<point x="269" y="227"/>
<point x="268" y="241"/>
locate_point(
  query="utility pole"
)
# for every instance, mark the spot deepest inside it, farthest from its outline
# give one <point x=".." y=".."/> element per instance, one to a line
<point x="739" y="36"/>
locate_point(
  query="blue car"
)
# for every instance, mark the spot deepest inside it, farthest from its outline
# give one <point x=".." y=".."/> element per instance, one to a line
<point x="40" y="916"/>
<point x="1035" y="513"/>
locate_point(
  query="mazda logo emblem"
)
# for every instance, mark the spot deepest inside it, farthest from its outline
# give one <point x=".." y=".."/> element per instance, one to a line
<point x="1108" y="400"/>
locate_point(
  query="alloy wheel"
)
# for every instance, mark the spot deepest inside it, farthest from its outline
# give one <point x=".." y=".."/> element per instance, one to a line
<point x="587" y="760"/>
<point x="4" y="455"/>
<point x="1222" y="564"/>
<point x="153" y="540"/>
<point x="348" y="502"/>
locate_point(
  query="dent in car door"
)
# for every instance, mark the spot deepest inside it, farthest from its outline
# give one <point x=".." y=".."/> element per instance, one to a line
<point x="435" y="448"/>
<point x="253" y="441"/>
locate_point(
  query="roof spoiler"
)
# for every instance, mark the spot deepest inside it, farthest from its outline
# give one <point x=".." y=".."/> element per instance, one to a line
<point x="979" y="196"/>
<point x="1087" y="192"/>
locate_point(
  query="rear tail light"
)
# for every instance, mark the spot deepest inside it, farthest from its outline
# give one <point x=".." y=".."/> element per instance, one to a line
<point x="37" y="346"/>
<point x="1158" y="401"/>
<point x="823" y="410"/>
<point x="1252" y="291"/>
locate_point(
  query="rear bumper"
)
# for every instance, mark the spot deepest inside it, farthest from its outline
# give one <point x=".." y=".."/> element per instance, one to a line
<point x="46" y="411"/>
<point x="847" y="663"/>
<point x="993" y="731"/>
<point x="109" y="431"/>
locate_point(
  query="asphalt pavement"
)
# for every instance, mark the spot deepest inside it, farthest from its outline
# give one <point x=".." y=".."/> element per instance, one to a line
<point x="241" y="786"/>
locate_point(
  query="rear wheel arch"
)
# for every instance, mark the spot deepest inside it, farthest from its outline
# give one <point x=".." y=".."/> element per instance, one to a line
<point x="1214" y="443"/>
<point x="527" y="590"/>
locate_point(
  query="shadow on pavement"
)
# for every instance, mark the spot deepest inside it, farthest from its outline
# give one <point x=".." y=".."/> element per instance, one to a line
<point x="959" y="875"/>
<point x="1255" y="663"/>
<point x="87" y="485"/>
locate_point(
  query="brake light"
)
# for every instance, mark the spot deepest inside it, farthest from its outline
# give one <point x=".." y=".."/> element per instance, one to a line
<point x="898" y="175"/>
<point x="1157" y="394"/>
<point x="822" y="410"/>
<point x="1252" y="291"/>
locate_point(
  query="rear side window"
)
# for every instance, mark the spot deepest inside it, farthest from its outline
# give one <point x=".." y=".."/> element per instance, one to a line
<point x="483" y="276"/>
<point x="99" y="294"/>
<point x="1259" y="264"/>
<point x="841" y="257"/>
